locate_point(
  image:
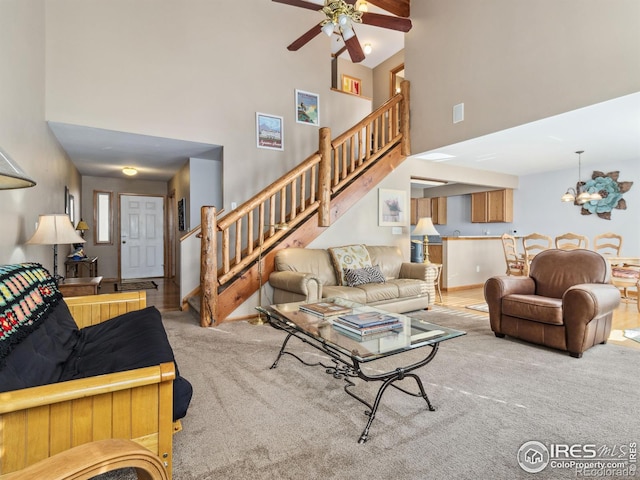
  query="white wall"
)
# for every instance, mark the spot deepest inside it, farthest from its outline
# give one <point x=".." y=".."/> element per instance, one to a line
<point x="24" y="135"/>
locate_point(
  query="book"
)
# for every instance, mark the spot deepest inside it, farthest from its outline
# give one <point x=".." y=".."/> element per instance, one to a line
<point x="362" y="338"/>
<point x="367" y="319"/>
<point x="324" y="309"/>
<point x="364" y="331"/>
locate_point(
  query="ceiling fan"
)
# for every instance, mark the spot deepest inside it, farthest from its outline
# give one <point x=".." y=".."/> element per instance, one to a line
<point x="342" y="14"/>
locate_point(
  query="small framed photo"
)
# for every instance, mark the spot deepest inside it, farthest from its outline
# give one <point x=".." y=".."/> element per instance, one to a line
<point x="182" y="211"/>
<point x="392" y="208"/>
<point x="269" y="131"/>
<point x="307" y="108"/>
<point x="351" y="85"/>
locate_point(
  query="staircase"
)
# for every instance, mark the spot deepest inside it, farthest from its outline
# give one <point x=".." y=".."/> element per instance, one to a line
<point x="308" y="199"/>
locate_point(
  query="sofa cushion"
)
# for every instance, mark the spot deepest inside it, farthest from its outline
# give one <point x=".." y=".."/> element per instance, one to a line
<point x="133" y="340"/>
<point x="533" y="307"/>
<point x="389" y="258"/>
<point x="27" y="294"/>
<point x="379" y="292"/>
<point x="40" y="358"/>
<point x="348" y="256"/>
<point x="360" y="276"/>
<point x="353" y="294"/>
<point x="409" y="287"/>
<point x="307" y="260"/>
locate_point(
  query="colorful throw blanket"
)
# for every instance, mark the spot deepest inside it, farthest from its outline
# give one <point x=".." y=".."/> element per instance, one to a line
<point x="27" y="294"/>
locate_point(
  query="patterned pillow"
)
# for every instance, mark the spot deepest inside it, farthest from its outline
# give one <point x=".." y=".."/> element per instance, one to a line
<point x="349" y="256"/>
<point x="360" y="276"/>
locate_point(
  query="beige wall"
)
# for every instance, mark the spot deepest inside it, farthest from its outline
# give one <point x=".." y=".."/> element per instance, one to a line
<point x="515" y="61"/>
<point x="24" y="135"/>
<point x="382" y="78"/>
<point x="173" y="69"/>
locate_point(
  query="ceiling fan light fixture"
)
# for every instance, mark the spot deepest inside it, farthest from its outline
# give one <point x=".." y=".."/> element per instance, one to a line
<point x="367" y="48"/>
<point x="343" y="19"/>
<point x="328" y="28"/>
<point x="129" y="171"/>
<point x="347" y="33"/>
<point x="362" y="6"/>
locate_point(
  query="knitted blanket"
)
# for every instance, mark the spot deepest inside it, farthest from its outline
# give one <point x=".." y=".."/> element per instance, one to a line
<point x="27" y="294"/>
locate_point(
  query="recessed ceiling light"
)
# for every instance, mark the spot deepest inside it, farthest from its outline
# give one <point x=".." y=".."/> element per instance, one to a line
<point x="130" y="171"/>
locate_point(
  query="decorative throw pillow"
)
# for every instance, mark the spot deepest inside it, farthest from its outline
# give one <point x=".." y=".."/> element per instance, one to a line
<point x="360" y="276"/>
<point x="349" y="256"/>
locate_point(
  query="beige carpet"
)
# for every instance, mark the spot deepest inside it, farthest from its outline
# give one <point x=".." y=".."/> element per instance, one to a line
<point x="480" y="307"/>
<point x="296" y="422"/>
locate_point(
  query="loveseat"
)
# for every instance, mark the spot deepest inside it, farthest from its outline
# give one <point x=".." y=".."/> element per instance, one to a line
<point x="372" y="275"/>
<point x="566" y="302"/>
<point x="77" y="370"/>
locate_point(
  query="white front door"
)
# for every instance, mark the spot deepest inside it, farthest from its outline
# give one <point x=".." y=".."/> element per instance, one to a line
<point x="141" y="236"/>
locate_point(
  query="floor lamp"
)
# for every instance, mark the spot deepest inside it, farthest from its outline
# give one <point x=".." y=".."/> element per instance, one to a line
<point x="278" y="227"/>
<point x="55" y="229"/>
<point x="425" y="228"/>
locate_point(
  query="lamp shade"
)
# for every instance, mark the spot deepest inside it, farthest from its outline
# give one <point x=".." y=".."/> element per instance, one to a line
<point x="11" y="175"/>
<point x="55" y="229"/>
<point x="425" y="227"/>
<point x="82" y="226"/>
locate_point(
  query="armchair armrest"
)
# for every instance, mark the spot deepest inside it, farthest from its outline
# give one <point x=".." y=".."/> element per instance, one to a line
<point x="416" y="271"/>
<point x="500" y="286"/>
<point x="585" y="302"/>
<point x="306" y="284"/>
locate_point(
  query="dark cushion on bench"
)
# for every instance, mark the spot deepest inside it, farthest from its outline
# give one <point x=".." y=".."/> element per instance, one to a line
<point x="58" y="351"/>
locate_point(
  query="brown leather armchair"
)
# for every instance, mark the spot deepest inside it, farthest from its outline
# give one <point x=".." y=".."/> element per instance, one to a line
<point x="566" y="302"/>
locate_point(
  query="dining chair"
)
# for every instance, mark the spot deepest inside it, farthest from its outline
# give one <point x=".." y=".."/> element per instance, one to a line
<point x="571" y="241"/>
<point x="608" y="244"/>
<point x="533" y="244"/>
<point x="515" y="261"/>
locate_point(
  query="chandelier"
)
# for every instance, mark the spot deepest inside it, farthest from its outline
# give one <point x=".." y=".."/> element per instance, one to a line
<point x="579" y="195"/>
<point x="340" y="18"/>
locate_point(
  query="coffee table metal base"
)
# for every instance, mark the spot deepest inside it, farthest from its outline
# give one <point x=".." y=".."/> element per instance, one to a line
<point x="346" y="368"/>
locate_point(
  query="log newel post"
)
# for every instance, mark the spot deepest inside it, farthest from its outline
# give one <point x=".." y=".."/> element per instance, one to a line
<point x="405" y="119"/>
<point x="324" y="178"/>
<point x="208" y="267"/>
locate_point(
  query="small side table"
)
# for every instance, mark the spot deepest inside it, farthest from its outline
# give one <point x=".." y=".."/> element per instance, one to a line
<point x="75" y="287"/>
<point x="77" y="268"/>
<point x="435" y="272"/>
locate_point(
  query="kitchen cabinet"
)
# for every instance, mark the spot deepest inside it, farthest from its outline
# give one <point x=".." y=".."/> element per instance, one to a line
<point x="436" y="208"/>
<point x="492" y="207"/>
<point x="420" y="207"/>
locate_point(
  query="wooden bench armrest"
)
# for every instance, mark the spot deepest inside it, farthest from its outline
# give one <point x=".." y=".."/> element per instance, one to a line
<point x="93" y="309"/>
<point x="90" y="459"/>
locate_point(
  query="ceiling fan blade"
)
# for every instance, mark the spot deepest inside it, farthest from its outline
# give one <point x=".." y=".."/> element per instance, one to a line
<point x="402" y="8"/>
<point x="386" y="21"/>
<point x="301" y="4"/>
<point x="305" y="38"/>
<point x="355" y="50"/>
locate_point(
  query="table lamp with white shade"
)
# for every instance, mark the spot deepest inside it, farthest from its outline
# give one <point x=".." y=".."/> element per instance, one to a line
<point x="55" y="229"/>
<point x="425" y="228"/>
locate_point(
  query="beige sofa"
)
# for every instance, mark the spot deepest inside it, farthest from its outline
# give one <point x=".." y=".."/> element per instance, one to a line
<point x="307" y="274"/>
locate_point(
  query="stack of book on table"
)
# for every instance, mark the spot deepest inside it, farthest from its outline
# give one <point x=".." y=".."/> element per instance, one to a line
<point x="324" y="309"/>
<point x="367" y="325"/>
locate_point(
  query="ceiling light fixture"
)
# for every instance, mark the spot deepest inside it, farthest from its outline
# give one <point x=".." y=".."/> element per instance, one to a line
<point x="579" y="195"/>
<point x="130" y="171"/>
<point x="340" y="18"/>
<point x="367" y="48"/>
<point x="362" y="6"/>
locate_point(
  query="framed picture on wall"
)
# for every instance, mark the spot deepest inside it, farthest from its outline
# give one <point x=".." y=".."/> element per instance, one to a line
<point x="392" y="207"/>
<point x="269" y="131"/>
<point x="351" y="85"/>
<point x="307" y="108"/>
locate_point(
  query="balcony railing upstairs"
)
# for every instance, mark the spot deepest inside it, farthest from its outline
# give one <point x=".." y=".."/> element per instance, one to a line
<point x="245" y="233"/>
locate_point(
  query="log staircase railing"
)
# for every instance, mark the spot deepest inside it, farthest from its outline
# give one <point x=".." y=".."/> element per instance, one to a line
<point x="245" y="233"/>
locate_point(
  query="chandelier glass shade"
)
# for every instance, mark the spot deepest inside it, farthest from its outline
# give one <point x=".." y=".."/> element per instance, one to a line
<point x="340" y="18"/>
<point x="579" y="195"/>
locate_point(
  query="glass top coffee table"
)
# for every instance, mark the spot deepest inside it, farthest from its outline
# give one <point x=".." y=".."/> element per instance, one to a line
<point x="348" y="353"/>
